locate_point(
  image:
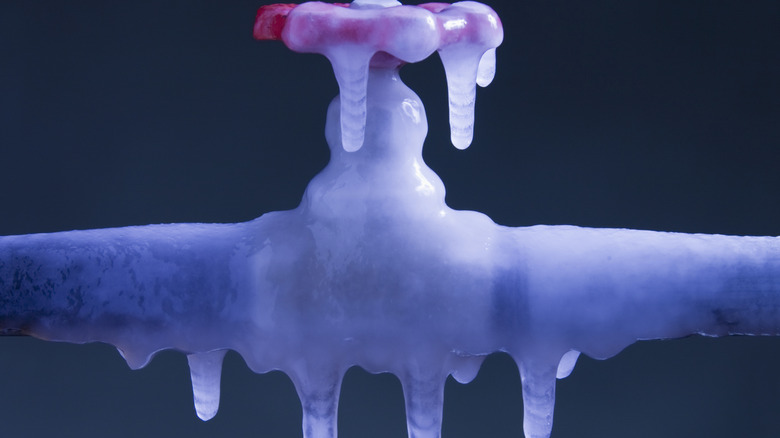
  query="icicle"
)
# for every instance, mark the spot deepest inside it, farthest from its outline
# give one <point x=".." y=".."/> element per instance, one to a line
<point x="424" y="397"/>
<point x="205" y="373"/>
<point x="319" y="389"/>
<point x="135" y="360"/>
<point x="350" y="66"/>
<point x="538" y="398"/>
<point x="461" y="71"/>
<point x="566" y="365"/>
<point x="487" y="68"/>
<point x="472" y="32"/>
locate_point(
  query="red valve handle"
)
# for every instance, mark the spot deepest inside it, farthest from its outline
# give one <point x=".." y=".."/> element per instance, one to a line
<point x="272" y="19"/>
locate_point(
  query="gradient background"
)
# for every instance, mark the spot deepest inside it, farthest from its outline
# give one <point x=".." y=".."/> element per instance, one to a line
<point x="661" y="115"/>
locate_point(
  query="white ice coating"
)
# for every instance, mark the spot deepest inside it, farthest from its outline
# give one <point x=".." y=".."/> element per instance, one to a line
<point x="374" y="269"/>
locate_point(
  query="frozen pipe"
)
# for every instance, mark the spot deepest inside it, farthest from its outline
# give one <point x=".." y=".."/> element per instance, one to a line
<point x="373" y="269"/>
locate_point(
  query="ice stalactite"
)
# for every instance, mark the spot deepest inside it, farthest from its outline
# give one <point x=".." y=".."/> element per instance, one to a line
<point x="538" y="397"/>
<point x="487" y="68"/>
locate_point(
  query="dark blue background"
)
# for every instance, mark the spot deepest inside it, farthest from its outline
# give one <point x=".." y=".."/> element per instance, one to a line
<point x="661" y="115"/>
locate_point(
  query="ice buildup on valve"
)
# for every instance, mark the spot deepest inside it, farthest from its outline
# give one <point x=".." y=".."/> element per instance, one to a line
<point x="356" y="36"/>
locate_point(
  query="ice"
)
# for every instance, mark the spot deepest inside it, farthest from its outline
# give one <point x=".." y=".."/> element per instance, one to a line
<point x="350" y="38"/>
<point x="205" y="373"/>
<point x="461" y="71"/>
<point x="318" y="386"/>
<point x="351" y="69"/>
<point x="424" y="398"/>
<point x="465" y="369"/>
<point x="373" y="269"/>
<point x="538" y="398"/>
<point x="566" y="365"/>
<point x="487" y="68"/>
<point x="368" y="4"/>
<point x="464" y="33"/>
<point x="470" y="61"/>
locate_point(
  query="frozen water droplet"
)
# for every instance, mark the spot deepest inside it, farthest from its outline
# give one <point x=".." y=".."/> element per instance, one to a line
<point x="566" y="365"/>
<point x="350" y="65"/>
<point x="465" y="369"/>
<point x="487" y="68"/>
<point x="471" y="33"/>
<point x="538" y="399"/>
<point x="460" y="66"/>
<point x="424" y="397"/>
<point x="205" y="373"/>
